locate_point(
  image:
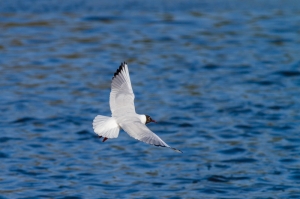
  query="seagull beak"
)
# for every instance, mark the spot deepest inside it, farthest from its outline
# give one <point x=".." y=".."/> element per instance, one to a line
<point x="153" y="121"/>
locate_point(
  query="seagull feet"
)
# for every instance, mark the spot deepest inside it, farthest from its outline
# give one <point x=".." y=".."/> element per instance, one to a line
<point x="104" y="139"/>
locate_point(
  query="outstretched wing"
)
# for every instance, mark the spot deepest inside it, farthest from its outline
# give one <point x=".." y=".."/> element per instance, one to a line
<point x="141" y="132"/>
<point x="121" y="98"/>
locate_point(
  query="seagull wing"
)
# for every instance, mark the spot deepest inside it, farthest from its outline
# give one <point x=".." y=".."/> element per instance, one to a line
<point x="121" y="98"/>
<point x="141" y="132"/>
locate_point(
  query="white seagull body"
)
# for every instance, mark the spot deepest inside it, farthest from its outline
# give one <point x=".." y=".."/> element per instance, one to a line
<point x="123" y="113"/>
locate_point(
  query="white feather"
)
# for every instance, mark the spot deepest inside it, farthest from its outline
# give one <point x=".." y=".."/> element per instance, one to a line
<point x="136" y="129"/>
<point x="121" y="98"/>
<point x="134" y="126"/>
<point x="106" y="126"/>
<point x="121" y="101"/>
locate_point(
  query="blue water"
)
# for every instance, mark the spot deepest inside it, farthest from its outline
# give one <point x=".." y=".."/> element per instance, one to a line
<point x="222" y="80"/>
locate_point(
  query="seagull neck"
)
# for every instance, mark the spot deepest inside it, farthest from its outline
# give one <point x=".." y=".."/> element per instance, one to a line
<point x="143" y="118"/>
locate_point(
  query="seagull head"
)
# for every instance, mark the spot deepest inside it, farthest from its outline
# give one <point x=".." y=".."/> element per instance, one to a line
<point x="149" y="119"/>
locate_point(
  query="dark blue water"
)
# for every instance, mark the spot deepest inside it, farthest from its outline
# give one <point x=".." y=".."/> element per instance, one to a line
<point x="222" y="80"/>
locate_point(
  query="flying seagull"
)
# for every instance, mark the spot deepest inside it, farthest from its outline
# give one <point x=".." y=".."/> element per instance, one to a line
<point x="122" y="107"/>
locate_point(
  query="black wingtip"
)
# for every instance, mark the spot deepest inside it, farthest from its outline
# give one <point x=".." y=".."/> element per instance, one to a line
<point x="119" y="69"/>
<point x="177" y="150"/>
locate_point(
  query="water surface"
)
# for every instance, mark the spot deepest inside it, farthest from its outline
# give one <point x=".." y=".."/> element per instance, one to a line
<point x="222" y="80"/>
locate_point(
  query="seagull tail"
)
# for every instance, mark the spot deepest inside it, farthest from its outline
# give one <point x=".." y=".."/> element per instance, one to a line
<point x="106" y="127"/>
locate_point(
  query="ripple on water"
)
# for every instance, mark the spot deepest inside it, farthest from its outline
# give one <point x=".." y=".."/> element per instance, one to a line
<point x="240" y="160"/>
<point x="217" y="178"/>
<point x="223" y="84"/>
<point x="232" y="151"/>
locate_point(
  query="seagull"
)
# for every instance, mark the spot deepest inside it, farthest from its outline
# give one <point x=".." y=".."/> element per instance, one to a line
<point x="124" y="117"/>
